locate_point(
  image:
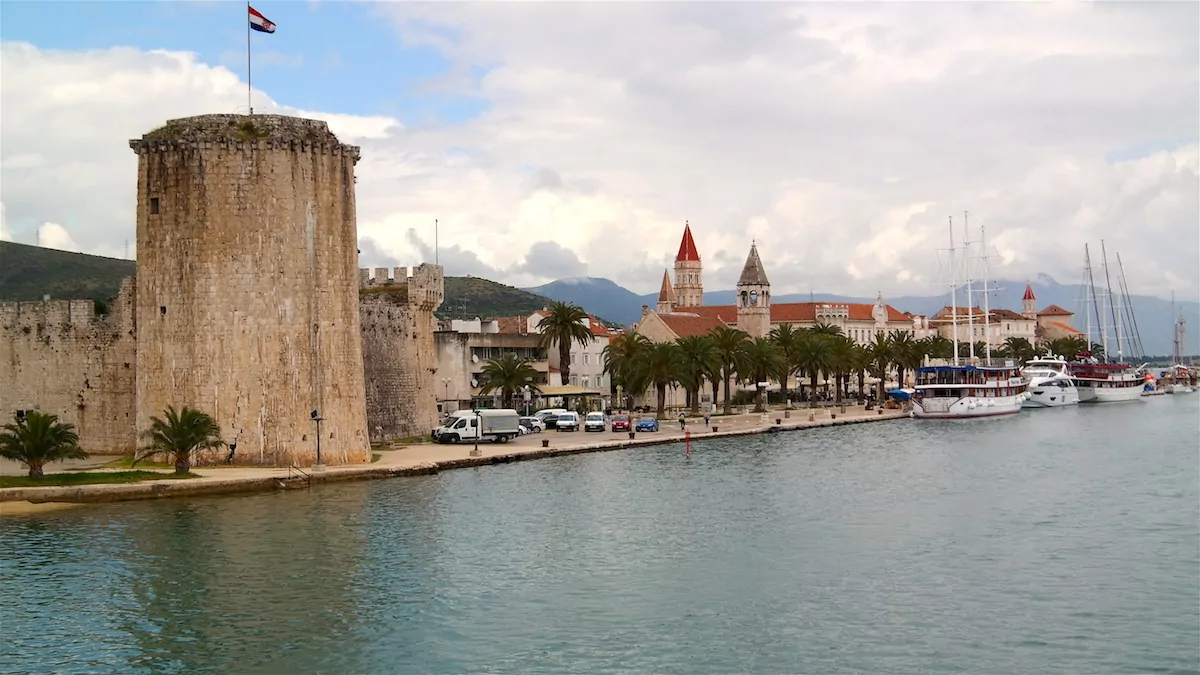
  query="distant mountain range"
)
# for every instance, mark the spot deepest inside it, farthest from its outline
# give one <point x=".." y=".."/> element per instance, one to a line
<point x="1155" y="323"/>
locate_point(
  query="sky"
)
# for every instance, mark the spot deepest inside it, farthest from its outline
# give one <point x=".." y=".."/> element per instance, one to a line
<point x="570" y="139"/>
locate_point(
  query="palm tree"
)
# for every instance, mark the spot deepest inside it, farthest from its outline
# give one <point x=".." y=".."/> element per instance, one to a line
<point x="788" y="338"/>
<point x="880" y="352"/>
<point x="1018" y="349"/>
<point x="814" y="357"/>
<point x="181" y="435"/>
<point x="860" y="361"/>
<point x="826" y="329"/>
<point x="658" y="366"/>
<point x="841" y="361"/>
<point x="728" y="342"/>
<point x="761" y="359"/>
<point x="508" y="374"/>
<point x="620" y="359"/>
<point x="907" y="353"/>
<point x="1071" y="347"/>
<point x="697" y="358"/>
<point x="939" y="347"/>
<point x="37" y="438"/>
<point x="564" y="325"/>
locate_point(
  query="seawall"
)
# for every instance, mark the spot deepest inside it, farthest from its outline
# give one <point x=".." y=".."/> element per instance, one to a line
<point x="247" y="479"/>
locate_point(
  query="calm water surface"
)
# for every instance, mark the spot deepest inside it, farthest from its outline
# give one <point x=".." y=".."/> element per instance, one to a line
<point x="1054" y="541"/>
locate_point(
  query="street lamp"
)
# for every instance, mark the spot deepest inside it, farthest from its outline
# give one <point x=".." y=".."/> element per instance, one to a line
<point x="318" y="419"/>
<point x="478" y="429"/>
<point x="446" y="382"/>
<point x="527" y="397"/>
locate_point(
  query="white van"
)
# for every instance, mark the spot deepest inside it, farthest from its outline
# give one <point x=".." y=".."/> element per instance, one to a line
<point x="567" y="421"/>
<point x="497" y="426"/>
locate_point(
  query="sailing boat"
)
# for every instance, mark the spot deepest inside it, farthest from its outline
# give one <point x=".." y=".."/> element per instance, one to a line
<point x="1179" y="378"/>
<point x="1104" y="381"/>
<point x="971" y="390"/>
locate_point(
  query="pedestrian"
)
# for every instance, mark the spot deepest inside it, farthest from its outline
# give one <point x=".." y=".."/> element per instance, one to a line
<point x="707" y="418"/>
<point x="682" y="422"/>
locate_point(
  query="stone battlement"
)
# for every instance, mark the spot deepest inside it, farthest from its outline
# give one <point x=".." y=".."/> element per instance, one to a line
<point x="244" y="132"/>
<point x="45" y="315"/>
<point x="423" y="284"/>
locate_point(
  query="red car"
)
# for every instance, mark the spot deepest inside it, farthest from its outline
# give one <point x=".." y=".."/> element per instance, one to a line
<point x="620" y="423"/>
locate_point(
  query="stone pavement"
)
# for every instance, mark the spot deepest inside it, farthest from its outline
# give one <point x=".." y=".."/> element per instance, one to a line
<point x="430" y="458"/>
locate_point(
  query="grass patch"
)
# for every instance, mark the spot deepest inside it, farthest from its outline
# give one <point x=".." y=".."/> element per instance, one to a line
<point x="84" y="478"/>
<point x="412" y="440"/>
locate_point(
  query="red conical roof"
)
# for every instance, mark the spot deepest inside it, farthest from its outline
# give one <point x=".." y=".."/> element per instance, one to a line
<point x="1028" y="293"/>
<point x="687" y="247"/>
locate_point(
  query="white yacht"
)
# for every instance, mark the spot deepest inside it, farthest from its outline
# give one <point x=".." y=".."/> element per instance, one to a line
<point x="969" y="391"/>
<point x="1050" y="385"/>
<point x="1106" y="382"/>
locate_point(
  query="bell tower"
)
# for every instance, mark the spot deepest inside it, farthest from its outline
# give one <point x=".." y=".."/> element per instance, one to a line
<point x="1029" y="303"/>
<point x="666" y="296"/>
<point x="754" y="297"/>
<point x="689" y="282"/>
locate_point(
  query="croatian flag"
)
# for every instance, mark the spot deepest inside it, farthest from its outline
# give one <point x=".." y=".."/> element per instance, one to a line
<point x="259" y="22"/>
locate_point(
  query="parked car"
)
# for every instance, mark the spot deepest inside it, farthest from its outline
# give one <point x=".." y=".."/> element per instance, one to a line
<point x="550" y="421"/>
<point x="567" y="421"/>
<point x="646" y="424"/>
<point x="594" y="422"/>
<point x="620" y="423"/>
<point x="532" y="425"/>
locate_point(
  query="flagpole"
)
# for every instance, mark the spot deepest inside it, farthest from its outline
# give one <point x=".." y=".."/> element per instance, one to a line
<point x="435" y="242"/>
<point x="249" y="85"/>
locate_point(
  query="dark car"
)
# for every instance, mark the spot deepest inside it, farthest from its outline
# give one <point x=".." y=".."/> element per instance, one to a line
<point x="551" y="421"/>
<point x="647" y="424"/>
<point x="620" y="423"/>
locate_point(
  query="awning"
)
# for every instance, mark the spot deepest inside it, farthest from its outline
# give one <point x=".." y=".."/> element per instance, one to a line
<point x="568" y="390"/>
<point x="900" y="394"/>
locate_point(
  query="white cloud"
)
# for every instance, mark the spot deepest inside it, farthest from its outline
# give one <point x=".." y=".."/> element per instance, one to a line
<point x="840" y="136"/>
<point x="53" y="235"/>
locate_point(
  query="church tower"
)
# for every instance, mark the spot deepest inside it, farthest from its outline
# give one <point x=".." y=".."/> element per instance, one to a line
<point x="689" y="284"/>
<point x="666" y="296"/>
<point x="754" y="297"/>
<point x="1029" y="304"/>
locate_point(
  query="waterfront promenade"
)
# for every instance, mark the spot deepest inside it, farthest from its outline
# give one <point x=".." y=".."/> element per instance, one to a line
<point x="417" y="459"/>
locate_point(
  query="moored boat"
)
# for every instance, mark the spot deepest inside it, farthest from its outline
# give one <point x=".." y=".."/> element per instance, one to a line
<point x="1050" y="383"/>
<point x="1107" y="382"/>
<point x="945" y="392"/>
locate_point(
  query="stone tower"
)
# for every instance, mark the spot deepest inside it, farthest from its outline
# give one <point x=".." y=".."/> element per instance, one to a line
<point x="666" y="296"/>
<point x="689" y="281"/>
<point x="400" y="358"/>
<point x="754" y="297"/>
<point x="247" y="285"/>
<point x="1029" y="303"/>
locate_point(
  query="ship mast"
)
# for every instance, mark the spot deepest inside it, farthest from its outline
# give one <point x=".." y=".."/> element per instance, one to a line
<point x="970" y="307"/>
<point x="1136" y="349"/>
<point x="987" y="313"/>
<point x="1091" y="283"/>
<point x="1176" y="352"/>
<point x="953" y="293"/>
<point x="1112" y="308"/>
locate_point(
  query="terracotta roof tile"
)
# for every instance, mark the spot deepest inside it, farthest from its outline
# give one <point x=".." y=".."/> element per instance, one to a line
<point x="1062" y="326"/>
<point x="687" y="325"/>
<point x="1008" y="315"/>
<point x="1055" y="310"/>
<point x="687" y="247"/>
<point x="797" y="312"/>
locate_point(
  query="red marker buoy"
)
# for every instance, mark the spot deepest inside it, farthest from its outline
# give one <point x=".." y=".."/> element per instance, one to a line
<point x="687" y="442"/>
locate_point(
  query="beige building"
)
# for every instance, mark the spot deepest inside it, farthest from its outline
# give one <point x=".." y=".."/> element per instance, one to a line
<point x="463" y="348"/>
<point x="996" y="326"/>
<point x="756" y="314"/>
<point x="587" y="361"/>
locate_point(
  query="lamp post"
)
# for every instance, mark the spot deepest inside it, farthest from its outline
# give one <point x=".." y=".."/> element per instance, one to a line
<point x="316" y="417"/>
<point x="527" y="397"/>
<point x="446" y="383"/>
<point x="478" y="430"/>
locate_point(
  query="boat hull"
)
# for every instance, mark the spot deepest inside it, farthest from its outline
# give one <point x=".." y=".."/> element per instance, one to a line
<point x="1050" y="394"/>
<point x="967" y="407"/>
<point x="1090" y="393"/>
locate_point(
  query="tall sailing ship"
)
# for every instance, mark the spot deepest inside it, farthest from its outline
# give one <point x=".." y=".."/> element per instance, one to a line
<point x="960" y="391"/>
<point x="1099" y="378"/>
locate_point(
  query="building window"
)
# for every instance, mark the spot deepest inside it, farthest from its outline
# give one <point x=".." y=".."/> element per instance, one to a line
<point x="587" y="359"/>
<point x="574" y="380"/>
<point x="154" y="206"/>
<point x="572" y="358"/>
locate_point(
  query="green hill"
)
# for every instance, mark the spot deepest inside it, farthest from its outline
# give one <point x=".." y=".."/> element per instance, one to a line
<point x="29" y="272"/>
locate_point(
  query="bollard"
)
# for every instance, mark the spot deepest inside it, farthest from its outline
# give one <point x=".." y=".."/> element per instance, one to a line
<point x="545" y="442"/>
<point x="833" y="416"/>
<point x="715" y="429"/>
<point x="778" y="421"/>
<point x="881" y="411"/>
<point x="631" y="435"/>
